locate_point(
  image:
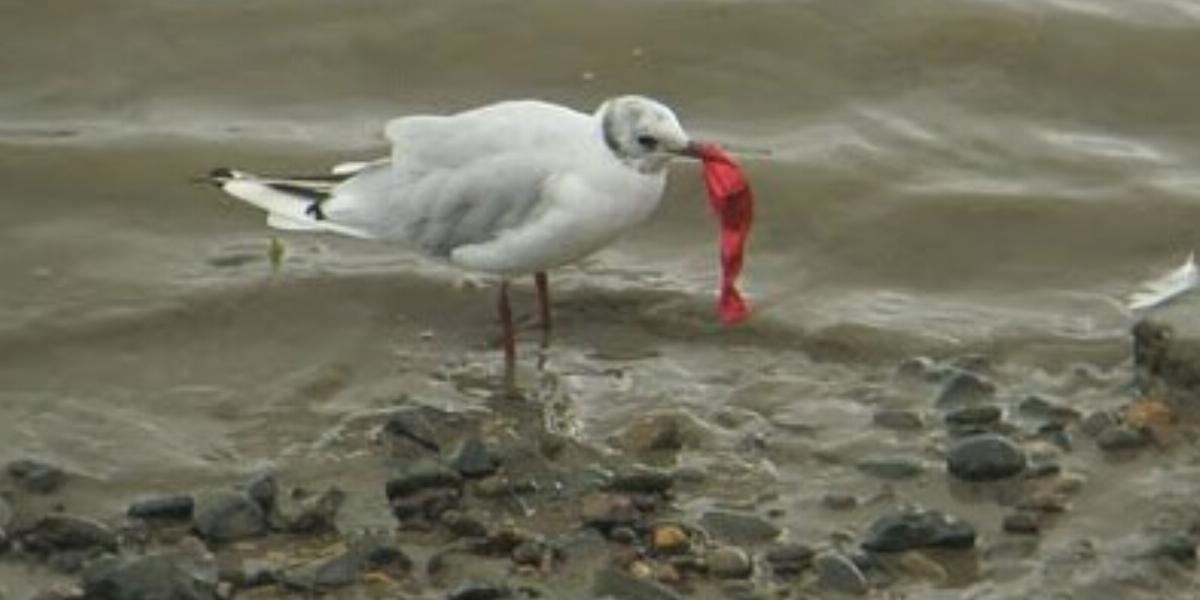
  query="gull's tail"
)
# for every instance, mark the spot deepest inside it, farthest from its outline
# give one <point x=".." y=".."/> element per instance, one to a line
<point x="291" y="203"/>
<point x="1167" y="287"/>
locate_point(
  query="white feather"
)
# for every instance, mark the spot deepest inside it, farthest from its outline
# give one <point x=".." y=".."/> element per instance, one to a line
<point x="1167" y="287"/>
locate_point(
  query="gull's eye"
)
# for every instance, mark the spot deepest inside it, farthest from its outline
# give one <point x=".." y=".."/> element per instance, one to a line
<point x="647" y="141"/>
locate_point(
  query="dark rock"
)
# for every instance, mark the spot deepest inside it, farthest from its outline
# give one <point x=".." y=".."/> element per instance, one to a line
<point x="642" y="481"/>
<point x="838" y="573"/>
<point x="428" y="504"/>
<point x="834" y="501"/>
<point x="532" y="553"/>
<point x="37" y="477"/>
<point x="729" y="562"/>
<point x="60" y="531"/>
<point x="1121" y="437"/>
<point x="788" y="560"/>
<point x="226" y="515"/>
<point x="1022" y="521"/>
<point x="909" y="530"/>
<point x="985" y="457"/>
<point x="1040" y="407"/>
<point x="1097" y="422"/>
<point x="316" y="514"/>
<point x="480" y="591"/>
<point x="264" y="490"/>
<point x="413" y="428"/>
<point x="464" y="525"/>
<point x="6" y="515"/>
<point x="163" y="507"/>
<point x="892" y="468"/>
<point x="174" y="576"/>
<point x="423" y="475"/>
<point x="965" y="389"/>
<point x="369" y="553"/>
<point x="977" y="416"/>
<point x="1179" y="547"/>
<point x="473" y="459"/>
<point x="898" y="419"/>
<point x="612" y="582"/>
<point x="623" y="535"/>
<point x="742" y="529"/>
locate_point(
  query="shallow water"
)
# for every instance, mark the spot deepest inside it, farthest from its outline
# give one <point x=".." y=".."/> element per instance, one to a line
<point x="977" y="177"/>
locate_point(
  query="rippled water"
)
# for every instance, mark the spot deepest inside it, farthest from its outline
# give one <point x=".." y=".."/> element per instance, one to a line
<point x="934" y="178"/>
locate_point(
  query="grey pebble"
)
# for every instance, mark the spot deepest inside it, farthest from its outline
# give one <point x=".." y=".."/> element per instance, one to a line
<point x="367" y="553"/>
<point x="227" y="515"/>
<point x="985" y="457"/>
<point x="264" y="490"/>
<point x="35" y="476"/>
<point x="965" y="389"/>
<point x="643" y="481"/>
<point x="912" y="529"/>
<point x="422" y="475"/>
<point x="838" y="573"/>
<point x="163" y="507"/>
<point x="729" y="562"/>
<point x="1096" y="422"/>
<point x="891" y="468"/>
<point x="62" y="531"/>
<point x="168" y="575"/>
<point x="898" y="419"/>
<point x="1121" y="437"/>
<point x="476" y="590"/>
<point x="615" y="583"/>
<point x="974" y="415"/>
<point x="739" y="528"/>
<point x="1021" y="521"/>
<point x="474" y="460"/>
<point x="787" y="560"/>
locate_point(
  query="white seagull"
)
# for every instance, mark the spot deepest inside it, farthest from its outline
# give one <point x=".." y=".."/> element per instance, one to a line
<point x="509" y="189"/>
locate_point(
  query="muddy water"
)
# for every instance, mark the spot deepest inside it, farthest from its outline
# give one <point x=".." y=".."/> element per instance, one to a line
<point x="944" y="179"/>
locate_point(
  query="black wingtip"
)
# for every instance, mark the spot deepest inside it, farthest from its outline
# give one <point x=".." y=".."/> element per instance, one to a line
<point x="218" y="176"/>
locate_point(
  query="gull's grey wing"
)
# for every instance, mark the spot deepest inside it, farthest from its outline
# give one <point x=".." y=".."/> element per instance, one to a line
<point x="426" y="142"/>
<point x="438" y="210"/>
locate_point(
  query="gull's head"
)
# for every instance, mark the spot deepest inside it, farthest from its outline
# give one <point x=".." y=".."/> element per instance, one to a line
<point x="643" y="133"/>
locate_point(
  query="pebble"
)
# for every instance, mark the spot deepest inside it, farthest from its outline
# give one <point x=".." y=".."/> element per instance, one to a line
<point x="264" y="490"/>
<point x="835" y="501"/>
<point x="163" y="507"/>
<point x="473" y="459"/>
<point x="475" y="590"/>
<point x="898" y="419"/>
<point x="1037" y="406"/>
<point x="1121" y="437"/>
<point x="643" y="481"/>
<point x="6" y="515"/>
<point x="1178" y="546"/>
<point x="168" y="575"/>
<point x="1096" y="422"/>
<point x="316" y="514"/>
<point x="615" y="583"/>
<point x="920" y="368"/>
<point x="62" y="531"/>
<point x="729" y="562"/>
<point x="623" y="535"/>
<point x="742" y="529"/>
<point x="368" y="553"/>
<point x="669" y="539"/>
<point x="965" y="389"/>
<point x="422" y="475"/>
<point x="464" y="524"/>
<point x="787" y="560"/>
<point x="838" y="573"/>
<point x="412" y="428"/>
<point x="606" y="511"/>
<point x="1021" y="521"/>
<point x="227" y="515"/>
<point x="985" y="457"/>
<point x="974" y="415"/>
<point x="908" y="530"/>
<point x="35" y="476"/>
<point x="892" y="468"/>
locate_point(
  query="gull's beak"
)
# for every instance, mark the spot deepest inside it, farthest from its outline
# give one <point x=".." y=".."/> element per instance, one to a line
<point x="692" y="149"/>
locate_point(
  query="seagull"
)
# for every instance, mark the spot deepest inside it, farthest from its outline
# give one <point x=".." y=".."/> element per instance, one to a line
<point x="510" y="189"/>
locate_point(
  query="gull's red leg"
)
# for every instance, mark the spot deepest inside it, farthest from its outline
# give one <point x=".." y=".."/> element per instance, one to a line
<point x="543" y="296"/>
<point x="509" y="338"/>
